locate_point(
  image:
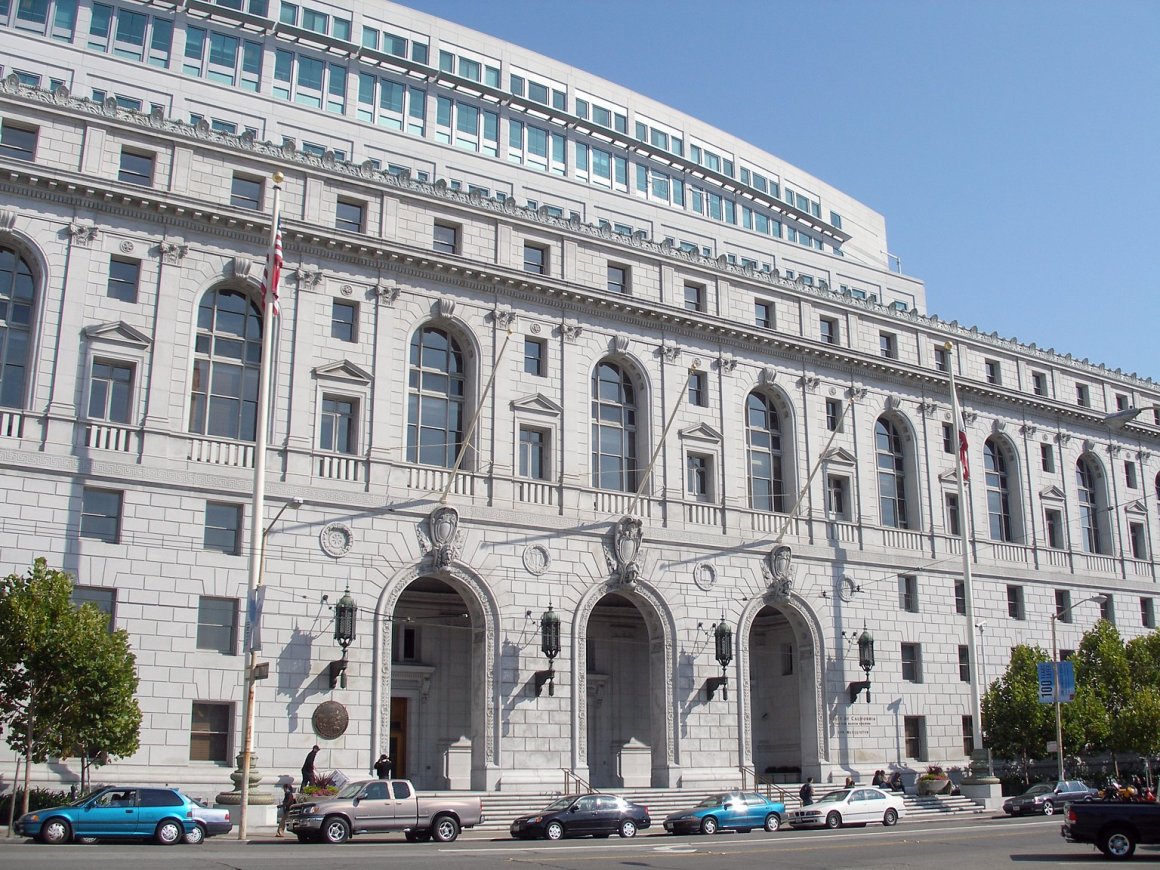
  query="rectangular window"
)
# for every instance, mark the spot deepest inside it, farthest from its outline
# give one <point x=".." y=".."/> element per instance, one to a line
<point x="952" y="507"/>
<point x="828" y="328"/>
<point x="993" y="371"/>
<point x="942" y="359"/>
<point x="694" y="297"/>
<point x="908" y="593"/>
<point x="1121" y="402"/>
<point x="698" y="389"/>
<point x="445" y="238"/>
<point x="101" y="514"/>
<point x="964" y="664"/>
<point x="105" y="600"/>
<point x="617" y="279"/>
<point x="1047" y="457"/>
<point x="834" y="415"/>
<point x="1083" y="396"/>
<point x="136" y="167"/>
<point x="911" y="655"/>
<point x="888" y="345"/>
<point x="763" y="314"/>
<point x="344" y="320"/>
<point x="1108" y="609"/>
<point x="838" y="497"/>
<point x="1039" y="383"/>
<point x="533" y="453"/>
<point x="968" y="736"/>
<point x="1139" y="538"/>
<point x="1015" y="602"/>
<point x="209" y="733"/>
<point x="786" y="659"/>
<point x="110" y="391"/>
<point x="534" y="356"/>
<point x="535" y="259"/>
<point x="960" y="598"/>
<point x="18" y="142"/>
<point x="223" y="527"/>
<point x="1054" y="523"/>
<point x="404" y="644"/>
<point x="350" y="216"/>
<point x="1063" y="605"/>
<point x="1130" y="479"/>
<point x="914" y="731"/>
<point x="948" y="438"/>
<point x="246" y="192"/>
<point x="1147" y="613"/>
<point x="338" y="425"/>
<point x="217" y="624"/>
<point x="699" y="476"/>
<point x="124" y="275"/>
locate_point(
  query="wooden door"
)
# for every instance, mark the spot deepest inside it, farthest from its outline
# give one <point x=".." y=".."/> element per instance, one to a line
<point x="398" y="738"/>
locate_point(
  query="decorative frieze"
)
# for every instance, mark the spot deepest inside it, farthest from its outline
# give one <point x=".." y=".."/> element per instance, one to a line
<point x="83" y="235"/>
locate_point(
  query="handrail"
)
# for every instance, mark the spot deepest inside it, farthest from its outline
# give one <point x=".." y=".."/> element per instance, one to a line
<point x="571" y="778"/>
<point x="761" y="783"/>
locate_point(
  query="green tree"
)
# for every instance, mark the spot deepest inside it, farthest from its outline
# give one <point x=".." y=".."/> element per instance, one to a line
<point x="67" y="684"/>
<point x="1144" y="660"/>
<point x="1101" y="668"/>
<point x="1017" y="726"/>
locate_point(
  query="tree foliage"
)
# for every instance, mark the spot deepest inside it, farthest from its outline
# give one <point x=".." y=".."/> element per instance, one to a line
<point x="67" y="684"/>
<point x="1017" y="726"/>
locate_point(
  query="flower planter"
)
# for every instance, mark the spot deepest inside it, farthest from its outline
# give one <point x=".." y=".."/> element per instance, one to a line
<point x="934" y="785"/>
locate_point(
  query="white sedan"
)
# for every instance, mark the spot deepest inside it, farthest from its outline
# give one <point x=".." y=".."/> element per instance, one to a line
<point x="850" y="806"/>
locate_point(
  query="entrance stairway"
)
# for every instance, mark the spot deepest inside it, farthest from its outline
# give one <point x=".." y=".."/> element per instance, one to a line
<point x="499" y="808"/>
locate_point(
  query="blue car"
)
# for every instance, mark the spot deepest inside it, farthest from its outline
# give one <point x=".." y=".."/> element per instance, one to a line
<point x="163" y="815"/>
<point x="729" y="810"/>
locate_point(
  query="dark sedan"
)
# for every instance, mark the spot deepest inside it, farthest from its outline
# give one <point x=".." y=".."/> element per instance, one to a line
<point x="1047" y="797"/>
<point x="583" y="815"/>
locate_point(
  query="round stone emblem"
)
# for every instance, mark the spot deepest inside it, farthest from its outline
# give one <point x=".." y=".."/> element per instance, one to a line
<point x="846" y="588"/>
<point x="537" y="560"/>
<point x="336" y="539"/>
<point x="330" y="720"/>
<point x="705" y="576"/>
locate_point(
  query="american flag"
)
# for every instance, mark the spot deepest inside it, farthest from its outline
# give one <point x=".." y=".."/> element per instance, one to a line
<point x="273" y="271"/>
<point x="963" y="449"/>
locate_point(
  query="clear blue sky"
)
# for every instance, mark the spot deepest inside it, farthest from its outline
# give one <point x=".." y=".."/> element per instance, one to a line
<point x="1013" y="147"/>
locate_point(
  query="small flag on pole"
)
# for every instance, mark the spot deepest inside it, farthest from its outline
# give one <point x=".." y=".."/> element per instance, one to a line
<point x="255" y="605"/>
<point x="273" y="270"/>
<point x="963" y="449"/>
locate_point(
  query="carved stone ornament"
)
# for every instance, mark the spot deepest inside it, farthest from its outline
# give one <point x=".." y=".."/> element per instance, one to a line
<point x="857" y="392"/>
<point x="1029" y="429"/>
<point x="336" y="539"/>
<point x="811" y="382"/>
<point x="7" y="220"/>
<point x="847" y="588"/>
<point x="172" y="253"/>
<point x="83" y="235"/>
<point x="346" y="290"/>
<point x="445" y="539"/>
<point x="308" y="278"/>
<point x="777" y="568"/>
<point x="1088" y="445"/>
<point x="705" y="576"/>
<point x="969" y="417"/>
<point x="727" y="363"/>
<point x="330" y="720"/>
<point x="387" y="293"/>
<point x="927" y="408"/>
<point x="242" y="267"/>
<point x="893" y="403"/>
<point x="571" y="331"/>
<point x="1063" y="438"/>
<point x="445" y="307"/>
<point x="126" y="247"/>
<point x="767" y="376"/>
<point x="627" y="538"/>
<point x="999" y="426"/>
<point x="505" y="318"/>
<point x="537" y="559"/>
<point x="671" y="352"/>
<point x="620" y="344"/>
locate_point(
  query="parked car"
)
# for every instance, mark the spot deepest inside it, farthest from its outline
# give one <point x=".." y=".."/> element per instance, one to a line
<point x="851" y="806"/>
<point x="373" y="806"/>
<point x="583" y="815"/>
<point x="1047" y="797"/>
<point x="1115" y="827"/>
<point x="729" y="810"/>
<point x="164" y="815"/>
<point x="210" y="822"/>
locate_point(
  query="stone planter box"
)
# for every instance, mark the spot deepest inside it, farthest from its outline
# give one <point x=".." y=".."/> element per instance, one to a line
<point x="934" y="786"/>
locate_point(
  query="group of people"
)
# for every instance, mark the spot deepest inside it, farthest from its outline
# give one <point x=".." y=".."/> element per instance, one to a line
<point x="383" y="768"/>
<point x="892" y="782"/>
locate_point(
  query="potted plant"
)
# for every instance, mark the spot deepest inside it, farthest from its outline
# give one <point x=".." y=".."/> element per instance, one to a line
<point x="323" y="786"/>
<point x="934" y="781"/>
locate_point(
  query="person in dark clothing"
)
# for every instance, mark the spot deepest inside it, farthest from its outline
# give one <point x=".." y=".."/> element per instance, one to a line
<point x="806" y="795"/>
<point x="287" y="802"/>
<point x="895" y="781"/>
<point x="308" y="767"/>
<point x="879" y="779"/>
<point x="384" y="767"/>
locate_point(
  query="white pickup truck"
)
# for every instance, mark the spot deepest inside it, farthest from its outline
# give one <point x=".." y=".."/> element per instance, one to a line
<point x="375" y="806"/>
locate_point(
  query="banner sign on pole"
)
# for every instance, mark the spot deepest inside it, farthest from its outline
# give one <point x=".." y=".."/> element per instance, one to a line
<point x="1047" y="687"/>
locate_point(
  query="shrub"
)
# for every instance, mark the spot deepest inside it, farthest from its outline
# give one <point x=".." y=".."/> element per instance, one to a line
<point x="38" y="799"/>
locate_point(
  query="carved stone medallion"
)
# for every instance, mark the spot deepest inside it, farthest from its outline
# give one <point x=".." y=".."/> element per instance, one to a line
<point x="537" y="559"/>
<point x="330" y="720"/>
<point x="336" y="539"/>
<point x="705" y="576"/>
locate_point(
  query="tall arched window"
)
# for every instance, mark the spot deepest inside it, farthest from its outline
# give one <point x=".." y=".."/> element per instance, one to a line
<point x="226" y="366"/>
<point x="1091" y="520"/>
<point x="436" y="398"/>
<point x="16" y="292"/>
<point x="613" y="429"/>
<point x="998" y="491"/>
<point x="763" y="438"/>
<point x="891" y="474"/>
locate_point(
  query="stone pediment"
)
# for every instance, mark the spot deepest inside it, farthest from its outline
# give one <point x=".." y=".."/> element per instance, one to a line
<point x="117" y="332"/>
<point x="1135" y="507"/>
<point x="537" y="403"/>
<point x="949" y="476"/>
<point x="838" y="456"/>
<point x="1052" y="493"/>
<point x="701" y="432"/>
<point x="343" y="370"/>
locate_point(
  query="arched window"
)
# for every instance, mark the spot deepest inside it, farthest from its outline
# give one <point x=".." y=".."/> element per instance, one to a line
<point x="436" y="398"/>
<point x="226" y="366"/>
<point x="763" y="437"/>
<point x="891" y="474"/>
<point x="998" y="491"/>
<point x="613" y="429"/>
<point x="1091" y="504"/>
<point x="16" y="292"/>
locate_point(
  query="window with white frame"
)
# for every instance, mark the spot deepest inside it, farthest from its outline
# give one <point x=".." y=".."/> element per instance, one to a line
<point x="391" y="104"/>
<point x="1053" y="521"/>
<point x="101" y="514"/>
<point x="659" y="186"/>
<point x="223" y="527"/>
<point x="764" y="442"/>
<point x="699" y="389"/>
<point x="338" y="424"/>
<point x="1063" y="605"/>
<point x="1108" y="609"/>
<point x="536" y="147"/>
<point x="951" y="504"/>
<point x="309" y="81"/>
<point x="699" y="468"/>
<point x="960" y="598"/>
<point x="838" y="497"/>
<point x="227" y="356"/>
<point x="1015" y="608"/>
<point x="17" y="290"/>
<point x="828" y="329"/>
<point x="614" y="428"/>
<point x="1147" y="613"/>
<point x="437" y="378"/>
<point x="914" y="736"/>
<point x="1047" y="458"/>
<point x="1138" y="535"/>
<point x="1039" y="383"/>
<point x="209" y="732"/>
<point x="535" y="456"/>
<point x="230" y="60"/>
<point x="834" y="410"/>
<point x="111" y="391"/>
<point x="911" y="656"/>
<point x="618" y="278"/>
<point x="964" y="664"/>
<point x="908" y="593"/>
<point x="601" y="167"/>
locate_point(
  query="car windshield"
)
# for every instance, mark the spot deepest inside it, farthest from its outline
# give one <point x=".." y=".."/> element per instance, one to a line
<point x="562" y="804"/>
<point x="835" y="796"/>
<point x="1039" y="788"/>
<point x="714" y="800"/>
<point x="350" y="790"/>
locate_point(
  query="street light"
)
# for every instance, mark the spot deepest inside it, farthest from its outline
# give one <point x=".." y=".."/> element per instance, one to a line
<point x="1120" y="419"/>
<point x="550" y="647"/>
<point x="723" y="649"/>
<point x="344" y="633"/>
<point x="1055" y="617"/>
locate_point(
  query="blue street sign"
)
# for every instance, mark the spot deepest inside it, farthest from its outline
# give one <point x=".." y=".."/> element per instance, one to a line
<point x="1046" y="675"/>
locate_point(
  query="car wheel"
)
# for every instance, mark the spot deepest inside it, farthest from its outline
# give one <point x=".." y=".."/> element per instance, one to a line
<point x="195" y="837"/>
<point x="708" y="825"/>
<point x="169" y="832"/>
<point x="890" y="818"/>
<point x="1049" y="809"/>
<point x="1117" y="844"/>
<point x="834" y="820"/>
<point x="772" y="822"/>
<point x="335" y="830"/>
<point x="86" y="841"/>
<point x="446" y="829"/>
<point x="554" y="831"/>
<point x="628" y="829"/>
<point x="55" y="831"/>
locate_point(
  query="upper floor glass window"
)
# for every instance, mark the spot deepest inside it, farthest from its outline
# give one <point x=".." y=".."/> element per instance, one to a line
<point x="309" y="81"/>
<point x="226" y="366"/>
<point x="110" y="391"/>
<point x="998" y="490"/>
<point x="614" y="431"/>
<point x="435" y="398"/>
<point x="391" y="104"/>
<point x="223" y="58"/>
<point x="1092" y="513"/>
<point x="763" y="441"/>
<point x="892" y="483"/>
<point x="18" y="141"/>
<point x="56" y="18"/>
<point x="16" y="294"/>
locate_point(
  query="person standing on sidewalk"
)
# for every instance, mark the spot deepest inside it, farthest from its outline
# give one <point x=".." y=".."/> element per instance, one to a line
<point x="287" y="802"/>
<point x="806" y="795"/>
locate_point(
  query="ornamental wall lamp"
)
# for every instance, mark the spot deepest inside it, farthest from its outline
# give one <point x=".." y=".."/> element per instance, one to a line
<point x="345" y="612"/>
<point x="550" y="647"/>
<point x="723" y="644"/>
<point x="866" y="662"/>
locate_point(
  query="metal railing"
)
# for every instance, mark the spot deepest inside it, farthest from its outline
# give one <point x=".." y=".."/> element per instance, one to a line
<point x="572" y="778"/>
<point x="761" y="783"/>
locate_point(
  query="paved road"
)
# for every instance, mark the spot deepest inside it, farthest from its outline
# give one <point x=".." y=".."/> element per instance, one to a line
<point x="977" y="843"/>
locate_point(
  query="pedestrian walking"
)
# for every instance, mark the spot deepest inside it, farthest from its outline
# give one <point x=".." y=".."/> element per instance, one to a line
<point x="287" y="802"/>
<point x="308" y="767"/>
<point x="806" y="795"/>
<point x="384" y="767"/>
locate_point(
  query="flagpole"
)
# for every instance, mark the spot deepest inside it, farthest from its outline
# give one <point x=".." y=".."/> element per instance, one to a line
<point x="258" y="508"/>
<point x="968" y="596"/>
